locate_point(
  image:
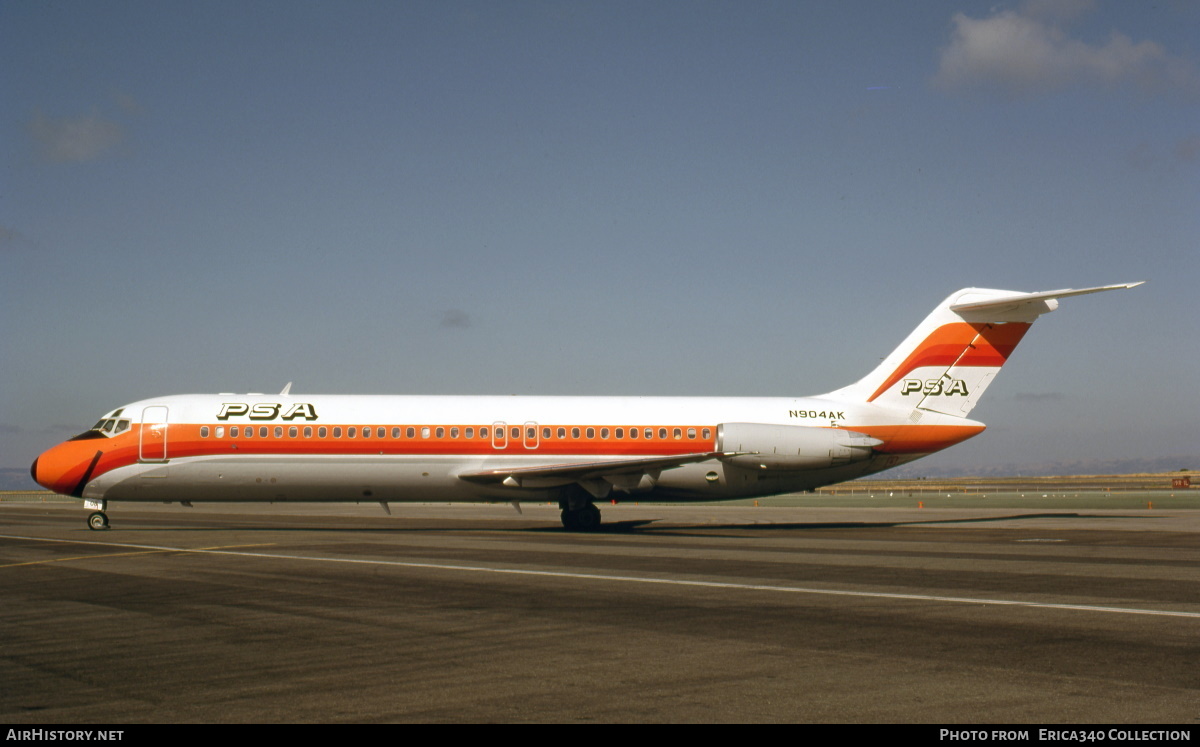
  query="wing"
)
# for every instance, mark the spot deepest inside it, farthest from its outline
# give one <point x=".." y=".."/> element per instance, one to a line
<point x="598" y="478"/>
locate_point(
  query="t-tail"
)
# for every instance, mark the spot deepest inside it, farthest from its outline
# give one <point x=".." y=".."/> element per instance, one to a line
<point x="951" y="358"/>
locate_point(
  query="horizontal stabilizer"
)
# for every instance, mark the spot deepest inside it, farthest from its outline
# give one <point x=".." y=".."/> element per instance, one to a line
<point x="1039" y="302"/>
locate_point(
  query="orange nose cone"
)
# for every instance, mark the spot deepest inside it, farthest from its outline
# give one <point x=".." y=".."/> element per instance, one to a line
<point x="66" y="468"/>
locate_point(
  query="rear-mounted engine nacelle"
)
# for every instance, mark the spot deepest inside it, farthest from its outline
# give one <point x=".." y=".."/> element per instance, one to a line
<point x="792" y="447"/>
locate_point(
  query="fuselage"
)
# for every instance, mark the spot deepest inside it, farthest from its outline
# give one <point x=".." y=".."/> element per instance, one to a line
<point x="417" y="448"/>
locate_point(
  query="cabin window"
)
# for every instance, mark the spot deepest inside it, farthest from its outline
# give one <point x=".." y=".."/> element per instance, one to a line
<point x="410" y="432"/>
<point x="562" y="432"/>
<point x="546" y="433"/>
<point x="706" y="433"/>
<point x="483" y="432"/>
<point x="469" y="433"/>
<point x="441" y="432"/>
<point x="603" y="433"/>
<point x="678" y="433"/>
<point x="395" y="433"/>
<point x="203" y="431"/>
<point x="453" y="433"/>
<point x="322" y="432"/>
<point x="633" y="432"/>
<point x="425" y="432"/>
<point x="262" y="431"/>
<point x="591" y="432"/>
<point x="662" y="433"/>
<point x="351" y="432"/>
<point x="691" y="432"/>
<point x="649" y="433"/>
<point x="337" y="432"/>
<point x="249" y="432"/>
<point x="514" y="432"/>
<point x="620" y="433"/>
<point x="308" y="431"/>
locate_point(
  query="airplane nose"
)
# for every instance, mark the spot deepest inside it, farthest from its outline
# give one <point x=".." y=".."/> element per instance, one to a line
<point x="66" y="468"/>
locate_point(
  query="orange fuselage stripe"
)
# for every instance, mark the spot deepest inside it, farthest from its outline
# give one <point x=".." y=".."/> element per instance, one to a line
<point x="918" y="439"/>
<point x="71" y="461"/>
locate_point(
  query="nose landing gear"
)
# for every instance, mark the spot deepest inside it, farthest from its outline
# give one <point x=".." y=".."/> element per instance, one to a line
<point x="97" y="521"/>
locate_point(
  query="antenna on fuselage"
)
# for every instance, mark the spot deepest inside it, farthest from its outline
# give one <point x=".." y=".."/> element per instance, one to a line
<point x="286" y="389"/>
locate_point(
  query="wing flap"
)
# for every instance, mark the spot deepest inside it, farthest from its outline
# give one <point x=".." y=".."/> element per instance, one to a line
<point x="621" y="473"/>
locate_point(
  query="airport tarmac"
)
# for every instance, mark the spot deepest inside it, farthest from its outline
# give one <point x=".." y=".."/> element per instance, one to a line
<point x="471" y="613"/>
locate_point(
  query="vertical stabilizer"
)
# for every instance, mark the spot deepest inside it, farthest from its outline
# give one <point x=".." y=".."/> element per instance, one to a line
<point x="952" y="357"/>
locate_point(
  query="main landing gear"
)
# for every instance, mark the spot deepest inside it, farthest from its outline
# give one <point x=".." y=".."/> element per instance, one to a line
<point x="579" y="514"/>
<point x="585" y="519"/>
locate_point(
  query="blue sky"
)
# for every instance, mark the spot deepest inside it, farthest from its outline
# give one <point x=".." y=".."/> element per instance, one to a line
<point x="700" y="198"/>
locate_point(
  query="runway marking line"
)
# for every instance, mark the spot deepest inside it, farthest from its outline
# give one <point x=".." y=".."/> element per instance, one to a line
<point x="606" y="577"/>
<point x="120" y="554"/>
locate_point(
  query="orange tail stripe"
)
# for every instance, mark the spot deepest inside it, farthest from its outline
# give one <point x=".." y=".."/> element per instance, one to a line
<point x="952" y="343"/>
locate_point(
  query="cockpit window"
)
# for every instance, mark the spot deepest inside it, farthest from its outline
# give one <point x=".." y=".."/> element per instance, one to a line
<point x="112" y="426"/>
<point x="104" y="428"/>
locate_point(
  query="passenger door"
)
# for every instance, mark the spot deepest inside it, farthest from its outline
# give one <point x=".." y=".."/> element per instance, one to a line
<point x="152" y="439"/>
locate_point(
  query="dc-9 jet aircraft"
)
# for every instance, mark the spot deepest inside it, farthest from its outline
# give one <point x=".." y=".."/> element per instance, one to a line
<point x="573" y="450"/>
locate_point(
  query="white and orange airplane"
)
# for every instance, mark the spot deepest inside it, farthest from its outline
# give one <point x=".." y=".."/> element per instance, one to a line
<point x="573" y="450"/>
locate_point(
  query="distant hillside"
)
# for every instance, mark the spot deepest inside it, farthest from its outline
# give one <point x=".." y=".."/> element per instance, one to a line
<point x="1049" y="469"/>
<point x="17" y="478"/>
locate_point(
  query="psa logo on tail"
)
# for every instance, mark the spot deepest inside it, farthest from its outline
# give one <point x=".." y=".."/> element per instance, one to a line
<point x="934" y="387"/>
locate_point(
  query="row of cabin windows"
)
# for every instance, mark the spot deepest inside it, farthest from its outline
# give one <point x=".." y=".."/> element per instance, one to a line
<point x="455" y="432"/>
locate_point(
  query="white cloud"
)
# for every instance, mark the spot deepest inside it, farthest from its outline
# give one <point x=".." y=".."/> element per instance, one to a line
<point x="1056" y="10"/>
<point x="1189" y="149"/>
<point x="127" y="102"/>
<point x="455" y="319"/>
<point x="1024" y="52"/>
<point x="10" y="238"/>
<point x="75" y="139"/>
